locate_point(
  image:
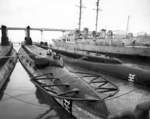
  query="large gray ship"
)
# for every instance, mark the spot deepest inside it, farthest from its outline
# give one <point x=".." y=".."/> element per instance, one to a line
<point x="119" y="54"/>
<point x="117" y="43"/>
<point x="108" y="43"/>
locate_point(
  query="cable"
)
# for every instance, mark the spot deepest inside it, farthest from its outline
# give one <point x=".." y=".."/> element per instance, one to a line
<point x="121" y="95"/>
<point x="14" y="97"/>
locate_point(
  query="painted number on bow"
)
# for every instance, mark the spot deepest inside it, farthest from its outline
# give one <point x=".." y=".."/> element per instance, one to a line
<point x="131" y="77"/>
<point x="67" y="105"/>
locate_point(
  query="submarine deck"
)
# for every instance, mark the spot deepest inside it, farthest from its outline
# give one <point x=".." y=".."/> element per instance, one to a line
<point x="129" y="94"/>
<point x="127" y="98"/>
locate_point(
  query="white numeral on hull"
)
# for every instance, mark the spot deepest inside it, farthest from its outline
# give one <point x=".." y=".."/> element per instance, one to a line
<point x="131" y="77"/>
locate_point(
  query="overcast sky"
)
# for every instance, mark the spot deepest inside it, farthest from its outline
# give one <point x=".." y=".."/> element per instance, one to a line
<point x="65" y="14"/>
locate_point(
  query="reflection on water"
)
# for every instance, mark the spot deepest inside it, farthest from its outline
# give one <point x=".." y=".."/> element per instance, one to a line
<point x="3" y="88"/>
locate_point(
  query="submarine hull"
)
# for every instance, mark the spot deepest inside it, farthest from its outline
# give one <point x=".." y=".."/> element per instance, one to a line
<point x="79" y="108"/>
<point x="127" y="71"/>
<point x="130" y="94"/>
<point x="126" y="98"/>
<point x="8" y="59"/>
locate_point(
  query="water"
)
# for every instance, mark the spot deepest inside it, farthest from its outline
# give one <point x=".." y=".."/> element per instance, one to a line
<point x="20" y="99"/>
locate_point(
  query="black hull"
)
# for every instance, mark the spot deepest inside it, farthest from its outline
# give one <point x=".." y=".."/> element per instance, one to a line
<point x="130" y="94"/>
<point x="88" y="57"/>
<point x="125" y="58"/>
<point x="63" y="74"/>
<point x="7" y="68"/>
<point x="5" y="51"/>
<point x="130" y="72"/>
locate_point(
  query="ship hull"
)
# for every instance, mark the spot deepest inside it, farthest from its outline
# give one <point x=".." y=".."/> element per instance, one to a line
<point x="9" y="60"/>
<point x="77" y="109"/>
<point x="128" y="72"/>
<point x="129" y="94"/>
<point x="126" y="53"/>
<point x="135" y="73"/>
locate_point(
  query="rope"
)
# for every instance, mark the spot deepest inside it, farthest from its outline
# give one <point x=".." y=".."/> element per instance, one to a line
<point x="14" y="97"/>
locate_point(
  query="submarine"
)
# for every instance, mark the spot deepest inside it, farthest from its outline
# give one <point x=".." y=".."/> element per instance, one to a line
<point x="86" y="95"/>
<point x="8" y="57"/>
<point x="53" y="78"/>
<point x="132" y="72"/>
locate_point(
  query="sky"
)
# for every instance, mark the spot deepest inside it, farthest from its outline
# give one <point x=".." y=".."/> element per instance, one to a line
<point x="65" y="13"/>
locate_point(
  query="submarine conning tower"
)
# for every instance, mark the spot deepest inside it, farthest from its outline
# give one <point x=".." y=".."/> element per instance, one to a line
<point x="4" y="37"/>
<point x="28" y="40"/>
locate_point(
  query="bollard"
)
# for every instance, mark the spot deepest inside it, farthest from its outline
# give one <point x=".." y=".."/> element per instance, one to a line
<point x="28" y="40"/>
<point x="4" y="38"/>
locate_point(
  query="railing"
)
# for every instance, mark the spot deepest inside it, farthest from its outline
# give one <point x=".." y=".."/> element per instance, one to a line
<point x="51" y="88"/>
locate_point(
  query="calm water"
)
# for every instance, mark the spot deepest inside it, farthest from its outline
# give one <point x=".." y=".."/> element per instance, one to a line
<point x="20" y="99"/>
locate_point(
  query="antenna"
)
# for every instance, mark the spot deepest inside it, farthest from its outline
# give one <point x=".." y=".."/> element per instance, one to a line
<point x="97" y="10"/>
<point x="127" y="28"/>
<point x="80" y="13"/>
<point x="97" y="13"/>
<point x="41" y="34"/>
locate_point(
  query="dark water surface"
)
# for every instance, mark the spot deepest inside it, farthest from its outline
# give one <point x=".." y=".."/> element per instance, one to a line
<point x="20" y="99"/>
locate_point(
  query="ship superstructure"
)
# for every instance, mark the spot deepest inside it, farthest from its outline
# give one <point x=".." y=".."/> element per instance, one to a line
<point x="109" y="42"/>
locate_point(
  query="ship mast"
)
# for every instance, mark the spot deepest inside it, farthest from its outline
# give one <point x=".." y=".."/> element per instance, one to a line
<point x="80" y="14"/>
<point x="127" y="28"/>
<point x="97" y="11"/>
